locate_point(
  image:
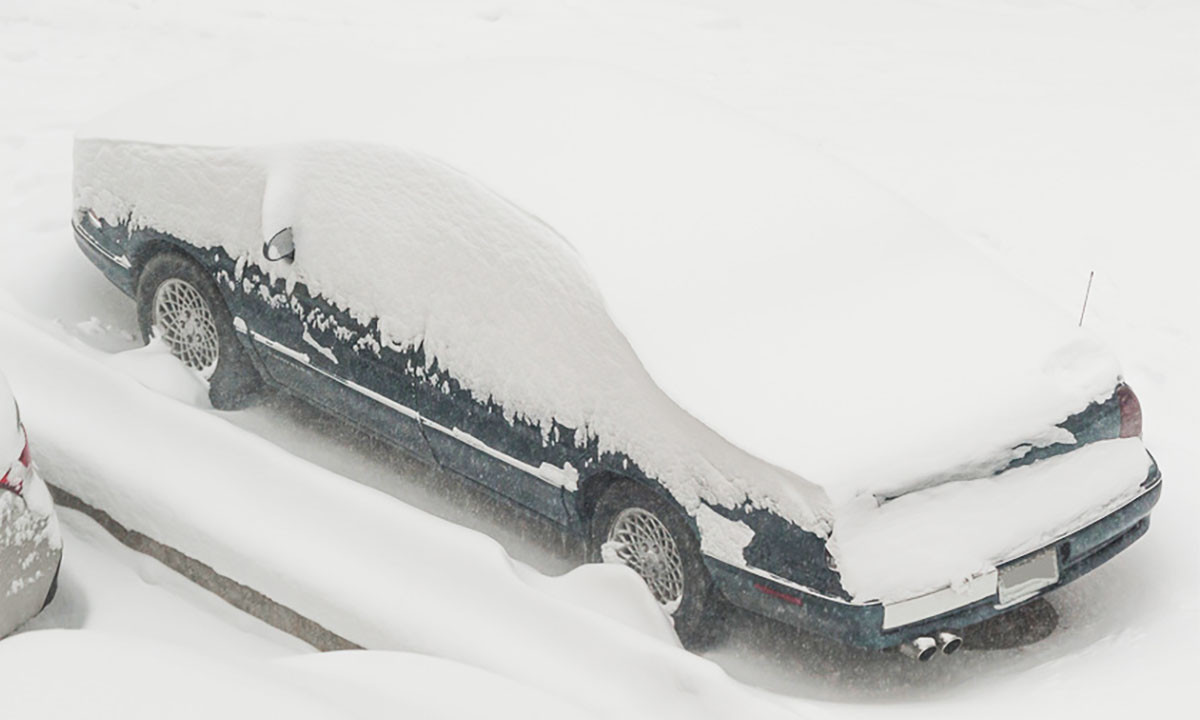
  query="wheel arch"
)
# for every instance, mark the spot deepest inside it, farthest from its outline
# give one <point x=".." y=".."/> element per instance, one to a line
<point x="151" y="245"/>
<point x="596" y="484"/>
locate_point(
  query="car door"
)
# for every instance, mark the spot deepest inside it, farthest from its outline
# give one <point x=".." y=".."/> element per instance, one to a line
<point x="320" y="351"/>
<point x="478" y="313"/>
<point x="476" y="438"/>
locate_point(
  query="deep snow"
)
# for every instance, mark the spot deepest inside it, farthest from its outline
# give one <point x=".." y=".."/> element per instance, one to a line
<point x="131" y="638"/>
<point x="1058" y="137"/>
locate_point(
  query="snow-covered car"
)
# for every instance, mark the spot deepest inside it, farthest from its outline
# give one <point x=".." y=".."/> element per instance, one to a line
<point x="30" y="542"/>
<point x="837" y="414"/>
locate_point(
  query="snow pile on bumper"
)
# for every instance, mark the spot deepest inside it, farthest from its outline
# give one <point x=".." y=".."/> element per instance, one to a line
<point x="945" y="535"/>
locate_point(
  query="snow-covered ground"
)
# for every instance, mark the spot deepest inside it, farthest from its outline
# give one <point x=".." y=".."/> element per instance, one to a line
<point x="110" y="589"/>
<point x="127" y="637"/>
<point x="1057" y="136"/>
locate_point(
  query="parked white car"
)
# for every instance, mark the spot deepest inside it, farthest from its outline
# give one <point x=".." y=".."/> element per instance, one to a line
<point x="30" y="542"/>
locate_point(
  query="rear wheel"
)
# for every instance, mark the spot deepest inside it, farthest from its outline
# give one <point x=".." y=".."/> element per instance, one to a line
<point x="635" y="527"/>
<point x="178" y="303"/>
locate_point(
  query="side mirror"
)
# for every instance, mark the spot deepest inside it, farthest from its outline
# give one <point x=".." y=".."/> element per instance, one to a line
<point x="280" y="246"/>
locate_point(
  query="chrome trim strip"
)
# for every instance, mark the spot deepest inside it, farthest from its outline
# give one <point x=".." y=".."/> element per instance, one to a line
<point x="553" y="475"/>
<point x="86" y="237"/>
<point x="795" y="585"/>
<point x="369" y="393"/>
<point x="564" y="477"/>
<point x="280" y="348"/>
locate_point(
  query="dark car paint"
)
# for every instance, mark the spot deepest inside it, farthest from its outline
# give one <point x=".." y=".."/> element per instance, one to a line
<point x="435" y="402"/>
<point x="1098" y="421"/>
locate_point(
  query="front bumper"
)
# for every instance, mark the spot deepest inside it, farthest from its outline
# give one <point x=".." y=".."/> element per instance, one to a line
<point x="30" y="552"/>
<point x="109" y="258"/>
<point x="863" y="624"/>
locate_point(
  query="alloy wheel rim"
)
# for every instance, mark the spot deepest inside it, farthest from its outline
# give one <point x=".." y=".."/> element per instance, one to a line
<point x="184" y="321"/>
<point x="641" y="541"/>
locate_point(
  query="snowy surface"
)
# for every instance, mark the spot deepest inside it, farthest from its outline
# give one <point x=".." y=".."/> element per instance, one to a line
<point x="108" y="588"/>
<point x="130" y="638"/>
<point x="1058" y="137"/>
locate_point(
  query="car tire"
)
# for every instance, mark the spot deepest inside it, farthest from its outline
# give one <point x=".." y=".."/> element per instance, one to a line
<point x="171" y="280"/>
<point x="698" y="614"/>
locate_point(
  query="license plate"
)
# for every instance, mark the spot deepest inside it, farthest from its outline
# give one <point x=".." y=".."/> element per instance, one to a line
<point x="1022" y="579"/>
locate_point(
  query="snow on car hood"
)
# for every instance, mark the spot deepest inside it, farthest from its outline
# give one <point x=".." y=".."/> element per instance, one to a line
<point x="808" y="316"/>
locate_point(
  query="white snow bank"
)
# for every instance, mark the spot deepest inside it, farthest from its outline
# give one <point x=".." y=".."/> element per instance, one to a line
<point x="64" y="673"/>
<point x="608" y="589"/>
<point x="944" y="535"/>
<point x="806" y="315"/>
<point x="362" y="564"/>
<point x="156" y="368"/>
<point x="107" y="587"/>
<point x="116" y="676"/>
<point x="378" y="682"/>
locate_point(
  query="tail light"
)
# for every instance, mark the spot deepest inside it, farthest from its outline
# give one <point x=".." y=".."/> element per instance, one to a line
<point x="1131" y="412"/>
<point x="14" y="479"/>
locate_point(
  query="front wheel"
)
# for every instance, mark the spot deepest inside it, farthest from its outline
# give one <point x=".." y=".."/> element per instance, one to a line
<point x="180" y="304"/>
<point x="635" y="527"/>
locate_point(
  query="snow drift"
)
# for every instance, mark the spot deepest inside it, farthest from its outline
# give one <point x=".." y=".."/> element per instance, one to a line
<point x="373" y="570"/>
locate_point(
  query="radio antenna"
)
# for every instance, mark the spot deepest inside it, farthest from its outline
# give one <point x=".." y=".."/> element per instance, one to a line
<point x="1086" y="294"/>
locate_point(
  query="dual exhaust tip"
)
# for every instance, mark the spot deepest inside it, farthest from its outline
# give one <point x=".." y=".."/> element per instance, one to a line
<point x="923" y="649"/>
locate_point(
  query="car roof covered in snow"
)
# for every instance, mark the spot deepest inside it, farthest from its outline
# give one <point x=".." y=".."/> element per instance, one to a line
<point x="803" y="312"/>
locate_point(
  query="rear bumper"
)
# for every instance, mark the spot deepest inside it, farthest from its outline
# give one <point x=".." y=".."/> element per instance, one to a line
<point x="863" y="624"/>
<point x="30" y="552"/>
